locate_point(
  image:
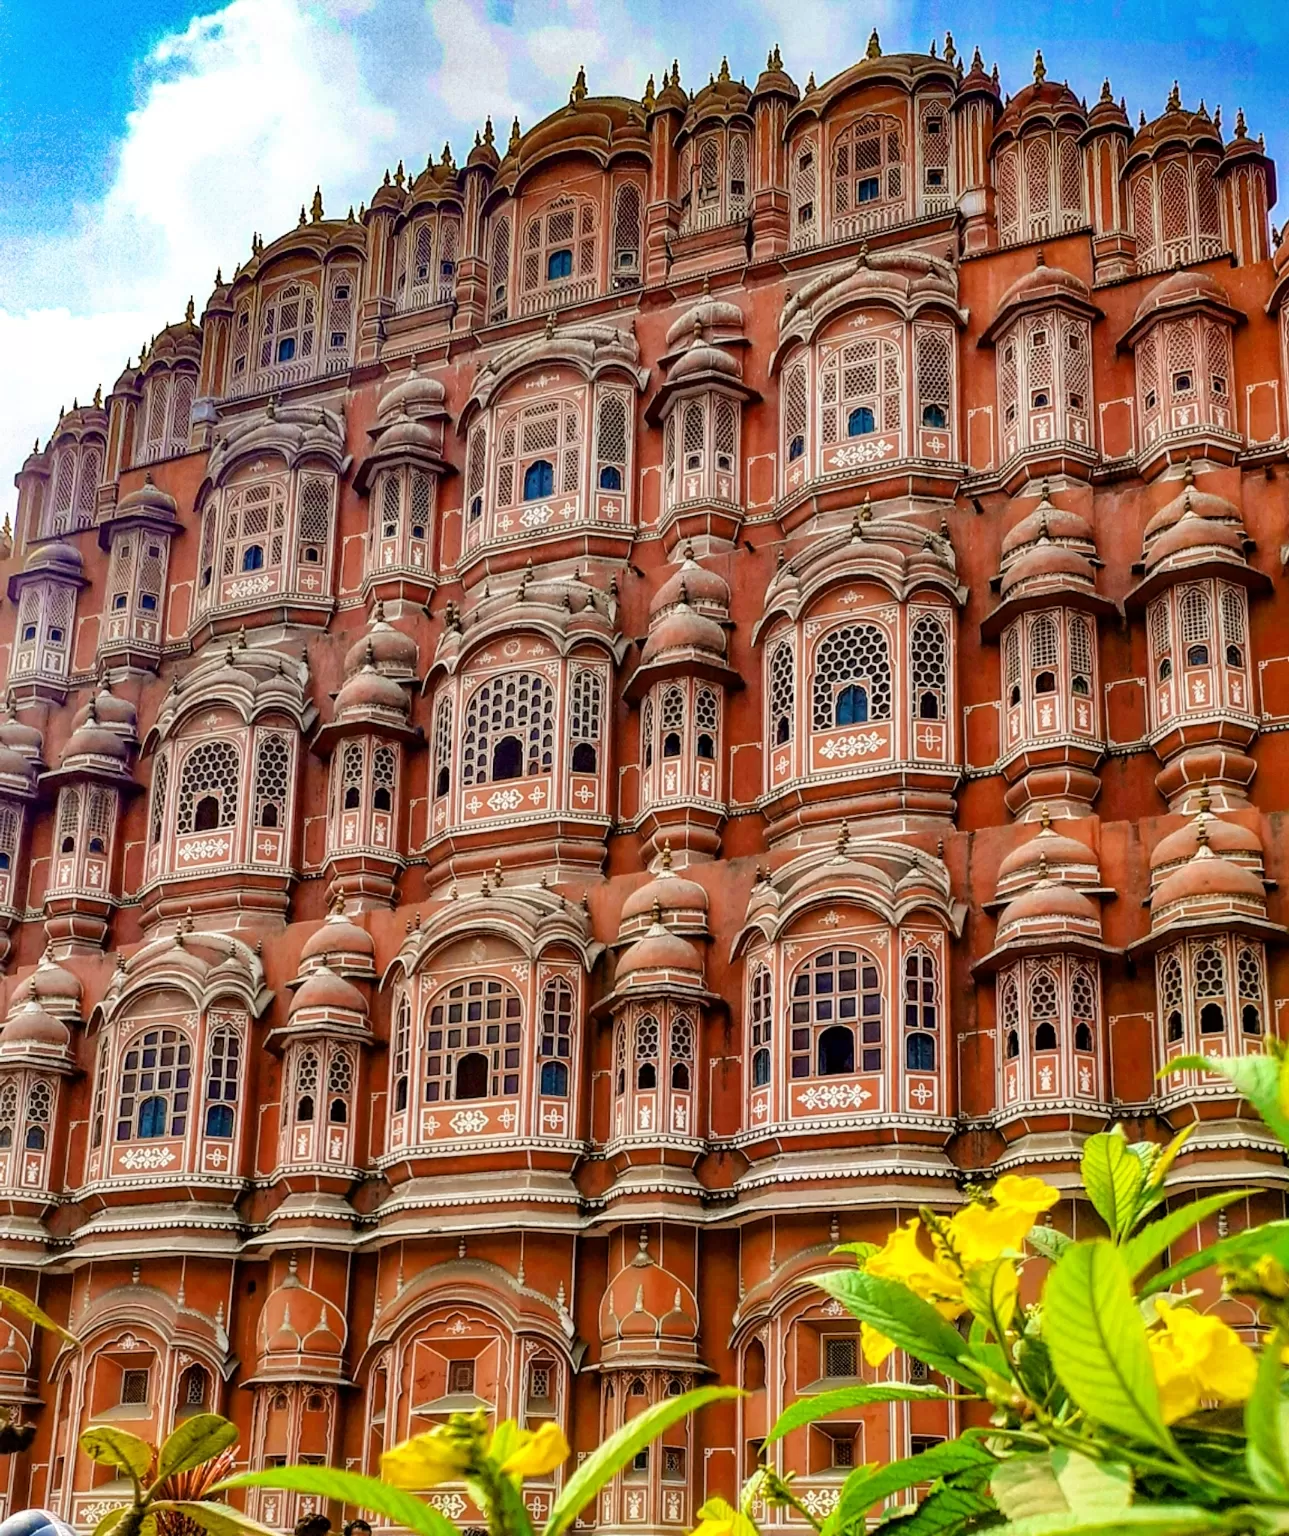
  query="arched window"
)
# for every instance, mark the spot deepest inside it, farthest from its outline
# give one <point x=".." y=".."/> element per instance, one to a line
<point x="672" y="722"/>
<point x="272" y="769"/>
<point x="8" y="1112"/>
<point x="1249" y="976"/>
<point x="612" y="415"/>
<point x="861" y="387"/>
<point x="762" y="1026"/>
<point x="400" y="1052"/>
<point x="706" y="721"/>
<point x="1043" y="1010"/>
<point x="861" y="421"/>
<point x="340" y="1087"/>
<point x="499" y="269"/>
<point x="868" y="165"/>
<point x="40" y="1108"/>
<point x="1210" y="990"/>
<point x="585" y="719"/>
<point x="519" y="707"/>
<point x="473" y="1041"/>
<point x="539" y="480"/>
<point x="555" y="1045"/>
<point x="1081" y="650"/>
<point x="507" y="758"/>
<point x="928" y="650"/>
<point x="156" y="1082"/>
<point x="222" y="1071"/>
<point x="620" y="1057"/>
<point x="559" y="244"/>
<point x="836" y="1048"/>
<point x="306" y="1087"/>
<point x="383" y="767"/>
<point x="645" y="1052"/>
<point x="836" y="993"/>
<point x="680" y="1040"/>
<point x="287" y="326"/>
<point x="782" y="692"/>
<point x="444" y="746"/>
<point x="1083" y="1010"/>
<point x="1171" y="993"/>
<point x="1009" y="1016"/>
<point x="209" y="781"/>
<point x="626" y="234"/>
<point x="795" y="407"/>
<point x="921" y="1010"/>
<point x="852" y="667"/>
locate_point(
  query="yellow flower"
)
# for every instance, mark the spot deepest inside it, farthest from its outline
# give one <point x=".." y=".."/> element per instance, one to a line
<point x="901" y="1259"/>
<point x="536" y="1452"/>
<point x="1198" y="1358"/>
<point x="440" y="1456"/>
<point x="717" y="1518"/>
<point x="876" y="1346"/>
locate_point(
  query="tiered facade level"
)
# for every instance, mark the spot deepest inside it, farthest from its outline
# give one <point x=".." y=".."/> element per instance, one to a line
<point x="638" y="708"/>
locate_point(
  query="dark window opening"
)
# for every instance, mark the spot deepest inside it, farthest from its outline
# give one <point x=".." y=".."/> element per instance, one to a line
<point x="219" y="1120"/>
<point x="1175" y="1025"/>
<point x="472" y="1076"/>
<point x="381" y="800"/>
<point x="868" y="190"/>
<point x="1081" y="687"/>
<point x="671" y="744"/>
<point x="1040" y="400"/>
<point x="706" y="747"/>
<point x="206" y="818"/>
<point x="760" y="1069"/>
<point x="304" y="1109"/>
<point x="1212" y="1021"/>
<point x="1183" y="382"/>
<point x="919" y="1053"/>
<point x="783" y="731"/>
<point x="253" y="557"/>
<point x="610" y="478"/>
<point x="268" y="814"/>
<point x="554" y="1078"/>
<point x="559" y="264"/>
<point x="584" y="758"/>
<point x="1165" y="669"/>
<point x="508" y="758"/>
<point x="539" y="480"/>
<point x="646" y="1075"/>
<point x="680" y="1075"/>
<point x="836" y="1052"/>
<point x="929" y="707"/>
<point x="1197" y="656"/>
<point x="850" y="707"/>
<point x="1045" y="682"/>
<point x="796" y="448"/>
<point x="1251" y="1020"/>
<point x="442" y="782"/>
<point x="352" y="798"/>
<point x="1045" y="1036"/>
<point x="861" y="422"/>
<point x="1082" y="1037"/>
<point x="286" y="349"/>
<point x="1234" y="656"/>
<point x="934" y="416"/>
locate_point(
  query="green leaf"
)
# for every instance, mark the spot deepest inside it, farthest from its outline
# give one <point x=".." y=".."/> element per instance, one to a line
<point x="25" y="1307"/>
<point x="1027" y="1485"/>
<point x="620" y="1448"/>
<point x="904" y="1318"/>
<point x="808" y="1409"/>
<point x="1048" y="1242"/>
<point x="858" y="1251"/>
<point x="196" y="1440"/>
<point x="1150" y="1519"/>
<point x="1239" y="1250"/>
<point x="1256" y="1077"/>
<point x="350" y="1488"/>
<point x="1143" y="1247"/>
<point x="111" y="1520"/>
<point x="1266" y="1422"/>
<point x="217" y="1519"/>
<point x="118" y="1448"/>
<point x="504" y="1504"/>
<point x="1114" y="1180"/>
<point x="945" y="1511"/>
<point x="866" y="1487"/>
<point x="1092" y="1487"/>
<point x="1097" y="1341"/>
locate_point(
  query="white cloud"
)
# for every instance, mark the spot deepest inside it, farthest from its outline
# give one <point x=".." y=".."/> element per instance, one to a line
<point x="245" y="109"/>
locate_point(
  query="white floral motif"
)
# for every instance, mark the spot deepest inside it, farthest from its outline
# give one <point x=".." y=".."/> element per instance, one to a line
<point x="206" y="848"/>
<point x="469" y="1122"/>
<point x="450" y="1504"/>
<point x="835" y="1096"/>
<point x="852" y="746"/>
<point x="135" y="1159"/>
<point x="505" y="800"/>
<point x="856" y="454"/>
<point x="820" y="1501"/>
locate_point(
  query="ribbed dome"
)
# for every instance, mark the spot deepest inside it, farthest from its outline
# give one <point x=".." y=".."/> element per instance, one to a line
<point x="1182" y="287"/>
<point x="1047" y="521"/>
<point x="1191" y="500"/>
<point x="341" y="941"/>
<point x="668" y="893"/>
<point x="1208" y="877"/>
<point x="1044" y="282"/>
<point x="659" y="951"/>
<point x="1227" y="839"/>
<point x="324" y="988"/>
<point x="110" y="710"/>
<point x="1047" y="564"/>
<point x="24" y="739"/>
<point x="94" y="739"/>
<point x="1049" y="854"/>
<point x="391" y="650"/>
<point x="31" y="1025"/>
<point x="684" y="629"/>
<point x="694" y="584"/>
<point x="369" y="691"/>
<point x="415" y="394"/>
<point x="409" y="436"/>
<point x="707" y="315"/>
<point x="50" y="983"/>
<point x="1192" y="536"/>
<point x="1049" y="908"/>
<point x="703" y="359"/>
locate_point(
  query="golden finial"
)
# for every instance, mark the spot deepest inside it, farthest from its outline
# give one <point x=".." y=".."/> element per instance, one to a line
<point x="810" y="83"/>
<point x="950" y="50"/>
<point x="1205" y="799"/>
<point x="190" y="313"/>
<point x="1174" y="99"/>
<point x="497" y="878"/>
<point x="1040" y="69"/>
<point x="400" y="175"/>
<point x="1201" y="832"/>
<point x="488" y="136"/>
<point x="1042" y="867"/>
<point x="1241" y="128"/>
<point x="874" y="50"/>
<point x="843" y="841"/>
<point x="578" y="93"/>
<point x="775" y="59"/>
<point x="657" y="912"/>
<point x="514" y="138"/>
<point x="675" y="72"/>
<point x="977" y="63"/>
<point x="303" y="218"/>
<point x="485" y="889"/>
<point x="666" y="854"/>
<point x="447" y="161"/>
<point x="649" y="100"/>
<point x="1105" y="90"/>
<point x="866" y="510"/>
<point x="98" y="388"/>
<point x="725" y="68"/>
<point x="1045" y="818"/>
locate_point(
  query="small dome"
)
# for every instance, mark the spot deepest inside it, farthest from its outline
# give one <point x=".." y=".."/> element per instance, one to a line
<point x="23" y="739"/>
<point x="1227" y="839"/>
<point x="1041" y="283"/>
<point x="391" y="650"/>
<point x="31" y="1025"/>
<point x="147" y="500"/>
<point x="659" y="952"/>
<point x="667" y="893"/>
<point x="94" y="739"/>
<point x="112" y="711"/>
<point x="1205" y="878"/>
<point x="342" y="942"/>
<point x="1049" y="908"/>
<point x="298" y="1321"/>
<point x="1050" y="854"/>
<point x="1193" y="536"/>
<point x="371" y="692"/>
<point x="707" y="315"/>
<point x="1047" y="521"/>
<point x="646" y="1304"/>
<point x="694" y="584"/>
<point x="703" y="359"/>
<point x="1047" y="564"/>
<point x="415" y="394"/>
<point x="408" y="436"/>
<point x="55" y="559"/>
<point x="1043" y="98"/>
<point x="326" y="989"/>
<point x="50" y="983"/>
<point x="1182" y="287"/>
<point x="1191" y="500"/>
<point x="683" y="629"/>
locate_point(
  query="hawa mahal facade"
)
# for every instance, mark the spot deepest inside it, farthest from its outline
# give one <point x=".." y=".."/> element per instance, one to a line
<point x="636" y="709"/>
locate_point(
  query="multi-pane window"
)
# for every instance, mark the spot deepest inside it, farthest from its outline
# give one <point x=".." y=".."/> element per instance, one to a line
<point x="509" y="729"/>
<point x="585" y="719"/>
<point x="1212" y="995"/>
<point x="166" y="414"/>
<point x="40" y="1108"/>
<point x="713" y="179"/>
<point x="928" y="652"/>
<point x="836" y="995"/>
<point x="425" y="273"/>
<point x="560" y="247"/>
<point x="933" y="376"/>
<point x="539" y="454"/>
<point x="921" y="1011"/>
<point x="209" y="781"/>
<point x="1184" y="378"/>
<point x="869" y="177"/>
<point x="272" y="780"/>
<point x="499" y="269"/>
<point x="1176" y="213"/>
<point x="473" y="1042"/>
<point x="288" y="327"/>
<point x="156" y="1082"/>
<point x="795" y="399"/>
<point x="555" y="1043"/>
<point x="861" y="387"/>
<point x="612" y="426"/>
<point x="624" y="258"/>
<point x="1039" y="183"/>
<point x="444" y="746"/>
<point x="222" y="1071"/>
<point x="852" y="681"/>
<point x="762" y="1026"/>
<point x="254" y="530"/>
<point x="400" y="1052"/>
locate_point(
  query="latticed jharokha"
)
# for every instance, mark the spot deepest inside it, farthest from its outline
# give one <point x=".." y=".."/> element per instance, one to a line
<point x="634" y="709"/>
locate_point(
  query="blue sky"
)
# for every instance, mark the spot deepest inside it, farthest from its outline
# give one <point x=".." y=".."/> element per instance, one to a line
<point x="141" y="142"/>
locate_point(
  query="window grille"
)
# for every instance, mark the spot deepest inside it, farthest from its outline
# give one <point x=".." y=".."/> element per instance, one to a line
<point x="1174" y="204"/>
<point x="556" y="1040"/>
<point x="861" y="387"/>
<point x="934" y="356"/>
<point x="706" y="711"/>
<point x="241" y="344"/>
<point x="626" y="233"/>
<point x="211" y="769"/>
<point x="1038" y="192"/>
<point x="443" y="745"/>
<point x="669" y="459"/>
<point x="1009" y="386"/>
<point x="645" y="1047"/>
<point x="499" y="270"/>
<point x="725" y="434"/>
<point x="549" y="432"/>
<point x="134" y="1386"/>
<point x="350" y="779"/>
<point x="1011" y="660"/>
<point x="1143" y="216"/>
<point x="8" y="1113"/>
<point x="841" y="1359"/>
<point x="222" y="1071"/>
<point x="156" y="1080"/>
<point x="255" y="524"/>
<point x="1233" y="626"/>
<point x="314" y="512"/>
<point x="272" y="770"/>
<point x="586" y="712"/>
<point x="87" y="484"/>
<point x="39" y="1112"/>
<point x="383" y="773"/>
<point x="1196" y="616"/>
<point x="935" y="139"/>
<point x="833" y="994"/>
<point x="183" y="388"/>
<point x="1007" y="180"/>
<point x="680" y="1047"/>
<point x="100" y="818"/>
<point x="762" y="1021"/>
<point x="1009" y="1015"/>
<point x="517" y="706"/>
<point x="1070" y="180"/>
<point x="476" y="460"/>
<point x="340" y="1087"/>
<point x="921" y="1010"/>
<point x="673" y="715"/>
<point x="1044" y="1009"/>
<point x="473" y="1042"/>
<point x="928" y="651"/>
<point x="611" y="442"/>
<point x="69" y="818"/>
<point x="1206" y="204"/>
<point x="64" y="485"/>
<point x="1044" y="643"/>
<point x="100" y="1092"/>
<point x="1217" y="358"/>
<point x="739" y="180"/>
<point x="10" y="822"/>
<point x="795" y="412"/>
<point x="868" y="165"/>
<point x="646" y="733"/>
<point x="1080" y="646"/>
<point x="1249" y="981"/>
<point x="1083" y="997"/>
<point x="1210" y="972"/>
<point x="400" y="1053"/>
<point x="306" y="1087"/>
<point x="857" y="654"/>
<point x="805" y="181"/>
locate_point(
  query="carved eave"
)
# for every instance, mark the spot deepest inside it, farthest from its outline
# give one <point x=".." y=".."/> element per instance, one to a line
<point x="127" y="1308"/>
<point x="1214" y="924"/>
<point x="250" y="682"/>
<point x="1210" y="563"/>
<point x="590" y="349"/>
<point x="88" y="769"/>
<point x="320" y="239"/>
<point x="907" y="72"/>
<point x="59" y="576"/>
<point x="1079" y="598"/>
<point x="531" y="918"/>
<point x="403" y="441"/>
<point x="676" y="987"/>
<point x="319" y="1024"/>
<point x="509" y="613"/>
<point x="1032" y="303"/>
<point x="687" y="662"/>
<point x="701" y="381"/>
<point x="893" y="881"/>
<point x="1195" y="303"/>
<point x="383" y="724"/>
<point x="291" y="432"/>
<point x="903" y="557"/>
<point x="1040" y="944"/>
<point x="206" y="967"/>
